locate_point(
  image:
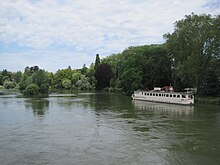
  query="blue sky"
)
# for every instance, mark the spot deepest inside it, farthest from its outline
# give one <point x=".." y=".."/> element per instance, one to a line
<point x="55" y="34"/>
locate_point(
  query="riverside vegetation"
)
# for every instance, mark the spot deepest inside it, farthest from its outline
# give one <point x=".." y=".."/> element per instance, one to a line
<point x="190" y="57"/>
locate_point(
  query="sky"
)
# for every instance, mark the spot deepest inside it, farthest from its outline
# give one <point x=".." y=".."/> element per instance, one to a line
<point x="55" y="34"/>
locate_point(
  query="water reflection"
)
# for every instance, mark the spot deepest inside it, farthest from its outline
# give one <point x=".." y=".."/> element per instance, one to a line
<point x="39" y="105"/>
<point x="103" y="102"/>
<point x="161" y="108"/>
<point x="95" y="128"/>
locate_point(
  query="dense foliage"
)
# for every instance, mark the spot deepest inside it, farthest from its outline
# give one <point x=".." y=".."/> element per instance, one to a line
<point x="195" y="49"/>
<point x="8" y="79"/>
<point x="74" y="79"/>
<point x="189" y="58"/>
<point x="103" y="75"/>
<point x="140" y="67"/>
<point x="34" y="81"/>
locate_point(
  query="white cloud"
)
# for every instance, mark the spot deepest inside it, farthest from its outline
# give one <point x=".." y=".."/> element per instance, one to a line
<point x="103" y="26"/>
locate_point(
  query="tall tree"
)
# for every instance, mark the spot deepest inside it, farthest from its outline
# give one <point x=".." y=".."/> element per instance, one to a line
<point x="97" y="61"/>
<point x="193" y="46"/>
<point x="114" y="60"/>
<point x="103" y="75"/>
<point x="144" y="67"/>
<point x="84" y="70"/>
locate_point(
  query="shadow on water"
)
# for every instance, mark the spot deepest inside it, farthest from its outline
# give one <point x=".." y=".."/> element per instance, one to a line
<point x="103" y="102"/>
<point x="39" y="106"/>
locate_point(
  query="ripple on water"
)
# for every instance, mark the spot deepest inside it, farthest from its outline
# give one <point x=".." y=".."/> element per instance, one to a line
<point x="105" y="129"/>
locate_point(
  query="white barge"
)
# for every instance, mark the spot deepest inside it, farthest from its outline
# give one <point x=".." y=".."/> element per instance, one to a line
<point x="165" y="95"/>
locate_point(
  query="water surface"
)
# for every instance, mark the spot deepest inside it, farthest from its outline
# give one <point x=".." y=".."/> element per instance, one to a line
<point x="103" y="128"/>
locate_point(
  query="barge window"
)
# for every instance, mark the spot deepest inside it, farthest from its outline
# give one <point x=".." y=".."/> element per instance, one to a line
<point x="145" y="93"/>
<point x="167" y="95"/>
<point x="178" y="96"/>
<point x="174" y="95"/>
<point x="150" y="94"/>
<point x="171" y="95"/>
<point x="183" y="96"/>
<point x="153" y="94"/>
<point x="156" y="94"/>
<point x="159" y="94"/>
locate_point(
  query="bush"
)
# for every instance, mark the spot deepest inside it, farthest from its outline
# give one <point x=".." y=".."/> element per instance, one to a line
<point x="44" y="88"/>
<point x="8" y="84"/>
<point x="31" y="89"/>
<point x="66" y="83"/>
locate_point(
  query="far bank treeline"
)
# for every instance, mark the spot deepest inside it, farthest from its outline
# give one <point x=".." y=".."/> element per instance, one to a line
<point x="190" y="57"/>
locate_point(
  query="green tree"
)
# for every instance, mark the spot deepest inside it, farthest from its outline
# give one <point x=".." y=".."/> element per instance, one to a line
<point x="41" y="79"/>
<point x="5" y="72"/>
<point x="92" y="81"/>
<point x="8" y="84"/>
<point x="32" y="77"/>
<point x="148" y="66"/>
<point x="103" y="75"/>
<point x="62" y="74"/>
<point x="91" y="76"/>
<point x="115" y="61"/>
<point x="6" y="76"/>
<point x="1" y="78"/>
<point x="211" y="84"/>
<point x="84" y="70"/>
<point x="51" y="79"/>
<point x="131" y="80"/>
<point x="25" y="81"/>
<point x="194" y="45"/>
<point x="76" y="76"/>
<point x="97" y="61"/>
<point x="83" y="83"/>
<point x="31" y="89"/>
<point x="17" y="77"/>
<point x="66" y="83"/>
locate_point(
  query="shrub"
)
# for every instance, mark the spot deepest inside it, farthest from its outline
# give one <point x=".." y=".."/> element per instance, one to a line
<point x="44" y="88"/>
<point x="66" y="83"/>
<point x="31" y="89"/>
<point x="8" y="84"/>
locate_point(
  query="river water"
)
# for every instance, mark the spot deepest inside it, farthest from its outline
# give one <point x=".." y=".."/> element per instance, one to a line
<point x="104" y="128"/>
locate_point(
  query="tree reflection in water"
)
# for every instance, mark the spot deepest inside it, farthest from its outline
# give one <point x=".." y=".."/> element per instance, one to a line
<point x="39" y="105"/>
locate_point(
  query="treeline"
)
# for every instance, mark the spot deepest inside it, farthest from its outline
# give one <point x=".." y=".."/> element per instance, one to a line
<point x="141" y="67"/>
<point x="35" y="81"/>
<point x="190" y="57"/>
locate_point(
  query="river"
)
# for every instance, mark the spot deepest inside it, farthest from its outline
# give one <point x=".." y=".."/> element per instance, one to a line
<point x="106" y="129"/>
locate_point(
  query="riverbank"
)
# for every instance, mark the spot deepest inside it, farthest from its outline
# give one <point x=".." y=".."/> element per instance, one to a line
<point x="207" y="100"/>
